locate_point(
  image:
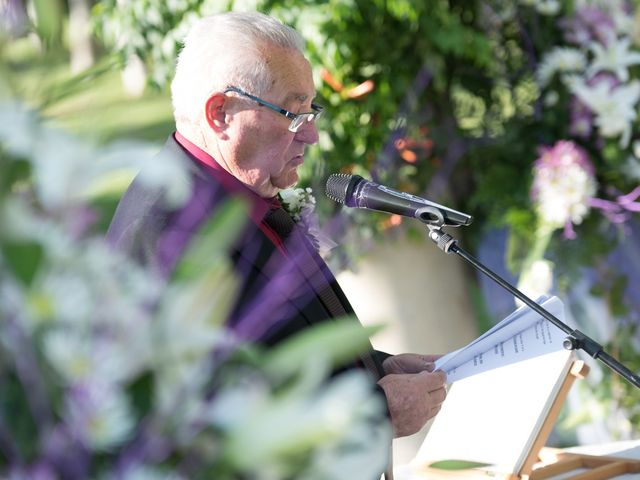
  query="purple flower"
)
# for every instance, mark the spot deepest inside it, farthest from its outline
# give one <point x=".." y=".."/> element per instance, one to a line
<point x="618" y="210"/>
<point x="562" y="186"/>
<point x="563" y="154"/>
<point x="605" y="78"/>
<point x="590" y="23"/>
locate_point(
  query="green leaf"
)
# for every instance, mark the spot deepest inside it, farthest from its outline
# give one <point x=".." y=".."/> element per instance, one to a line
<point x="12" y="172"/>
<point x="338" y="341"/>
<point x="213" y="240"/>
<point x="457" y="465"/>
<point x="23" y="259"/>
<point x="49" y="21"/>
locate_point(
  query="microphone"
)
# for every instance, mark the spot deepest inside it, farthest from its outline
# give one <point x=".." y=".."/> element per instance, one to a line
<point x="355" y="191"/>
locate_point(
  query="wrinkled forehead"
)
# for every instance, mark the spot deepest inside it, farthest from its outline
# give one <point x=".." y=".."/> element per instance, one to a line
<point x="293" y="80"/>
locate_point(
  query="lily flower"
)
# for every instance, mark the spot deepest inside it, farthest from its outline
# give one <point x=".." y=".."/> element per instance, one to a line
<point x="614" y="57"/>
<point x="614" y="107"/>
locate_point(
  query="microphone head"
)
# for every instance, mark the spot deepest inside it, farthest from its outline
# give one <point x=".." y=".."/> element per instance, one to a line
<point x="340" y="186"/>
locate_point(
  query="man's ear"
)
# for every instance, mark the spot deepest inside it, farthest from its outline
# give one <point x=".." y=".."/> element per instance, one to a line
<point x="215" y="112"/>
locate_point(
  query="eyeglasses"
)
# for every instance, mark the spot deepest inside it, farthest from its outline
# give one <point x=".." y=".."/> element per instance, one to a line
<point x="297" y="119"/>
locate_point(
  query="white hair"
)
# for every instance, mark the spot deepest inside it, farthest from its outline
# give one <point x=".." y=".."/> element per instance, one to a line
<point x="222" y="50"/>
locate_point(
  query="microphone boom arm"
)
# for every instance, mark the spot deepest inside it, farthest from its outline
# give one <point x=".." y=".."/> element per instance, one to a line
<point x="575" y="339"/>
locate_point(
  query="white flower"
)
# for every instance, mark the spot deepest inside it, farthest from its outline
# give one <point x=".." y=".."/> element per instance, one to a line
<point x="614" y="108"/>
<point x="338" y="421"/>
<point x="78" y="355"/>
<point x="179" y="396"/>
<point x="548" y="7"/>
<point x="560" y="59"/>
<point x="300" y="204"/>
<point x="616" y="9"/>
<point x="563" y="184"/>
<point x="565" y="196"/>
<point x="543" y="7"/>
<point x="297" y="200"/>
<point x="632" y="168"/>
<point x="70" y="296"/>
<point x="188" y="328"/>
<point x="625" y="24"/>
<point x="67" y="170"/>
<point x="614" y="57"/>
<point x="99" y="414"/>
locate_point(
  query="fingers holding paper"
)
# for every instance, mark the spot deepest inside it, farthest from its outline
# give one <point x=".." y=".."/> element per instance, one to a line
<point x="412" y="399"/>
<point x="409" y="363"/>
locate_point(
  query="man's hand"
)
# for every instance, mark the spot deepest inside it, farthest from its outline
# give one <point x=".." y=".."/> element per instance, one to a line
<point x="409" y="363"/>
<point x="412" y="398"/>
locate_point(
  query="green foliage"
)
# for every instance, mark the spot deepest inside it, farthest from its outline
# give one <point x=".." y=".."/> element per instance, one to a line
<point x="151" y="30"/>
<point x="331" y="343"/>
<point x="102" y="357"/>
<point x="49" y="20"/>
<point x="23" y="259"/>
<point x="221" y="230"/>
<point x="623" y="398"/>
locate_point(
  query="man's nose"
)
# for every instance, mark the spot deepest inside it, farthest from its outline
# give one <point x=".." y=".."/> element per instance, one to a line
<point x="308" y="133"/>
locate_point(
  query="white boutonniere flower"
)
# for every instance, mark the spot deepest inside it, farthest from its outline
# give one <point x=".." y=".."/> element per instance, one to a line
<point x="300" y="204"/>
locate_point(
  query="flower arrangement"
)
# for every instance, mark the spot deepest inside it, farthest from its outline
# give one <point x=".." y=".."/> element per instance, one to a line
<point x="563" y="184"/>
<point x="589" y="75"/>
<point x="109" y="371"/>
<point x="300" y="204"/>
<point x="585" y="180"/>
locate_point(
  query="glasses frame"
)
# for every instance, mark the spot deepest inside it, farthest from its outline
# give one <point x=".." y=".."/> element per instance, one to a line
<point x="297" y="119"/>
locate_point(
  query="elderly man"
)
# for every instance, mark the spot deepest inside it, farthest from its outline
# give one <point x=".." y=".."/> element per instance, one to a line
<point x="243" y="104"/>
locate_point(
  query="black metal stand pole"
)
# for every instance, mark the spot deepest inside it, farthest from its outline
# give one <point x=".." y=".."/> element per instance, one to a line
<point x="575" y="339"/>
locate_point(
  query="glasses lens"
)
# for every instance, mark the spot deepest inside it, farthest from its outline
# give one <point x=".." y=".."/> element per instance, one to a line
<point x="300" y="120"/>
<point x="297" y="122"/>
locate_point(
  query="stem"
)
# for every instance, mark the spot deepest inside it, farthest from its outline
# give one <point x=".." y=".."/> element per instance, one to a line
<point x="542" y="238"/>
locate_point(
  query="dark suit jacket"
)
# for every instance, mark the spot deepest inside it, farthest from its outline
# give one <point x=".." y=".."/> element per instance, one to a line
<point x="279" y="295"/>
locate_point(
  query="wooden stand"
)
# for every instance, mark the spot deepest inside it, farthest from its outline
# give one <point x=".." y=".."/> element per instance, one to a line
<point x="539" y="463"/>
<point x="551" y="462"/>
<point x="578" y="370"/>
<point x="598" y="467"/>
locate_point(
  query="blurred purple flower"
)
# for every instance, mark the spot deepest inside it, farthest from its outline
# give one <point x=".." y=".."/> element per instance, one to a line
<point x="619" y="210"/>
<point x="563" y="154"/>
<point x="590" y="23"/>
<point x="605" y="78"/>
<point x="13" y="17"/>
<point x="562" y="186"/>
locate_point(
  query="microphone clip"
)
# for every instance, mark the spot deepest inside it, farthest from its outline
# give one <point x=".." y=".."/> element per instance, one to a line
<point x="430" y="216"/>
<point x="442" y="239"/>
<point x="433" y="218"/>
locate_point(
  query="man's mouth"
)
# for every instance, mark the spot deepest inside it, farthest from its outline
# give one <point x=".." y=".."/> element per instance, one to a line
<point x="296" y="161"/>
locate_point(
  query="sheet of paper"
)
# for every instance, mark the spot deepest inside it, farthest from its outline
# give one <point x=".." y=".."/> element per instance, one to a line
<point x="522" y="335"/>
<point x="494" y="417"/>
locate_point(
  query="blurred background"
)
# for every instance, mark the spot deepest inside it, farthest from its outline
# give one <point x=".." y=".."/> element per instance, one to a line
<point x="522" y="113"/>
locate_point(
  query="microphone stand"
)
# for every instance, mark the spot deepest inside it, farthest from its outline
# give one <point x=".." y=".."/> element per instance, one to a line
<point x="575" y="339"/>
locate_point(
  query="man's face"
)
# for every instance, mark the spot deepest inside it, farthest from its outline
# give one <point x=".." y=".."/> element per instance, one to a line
<point x="260" y="150"/>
